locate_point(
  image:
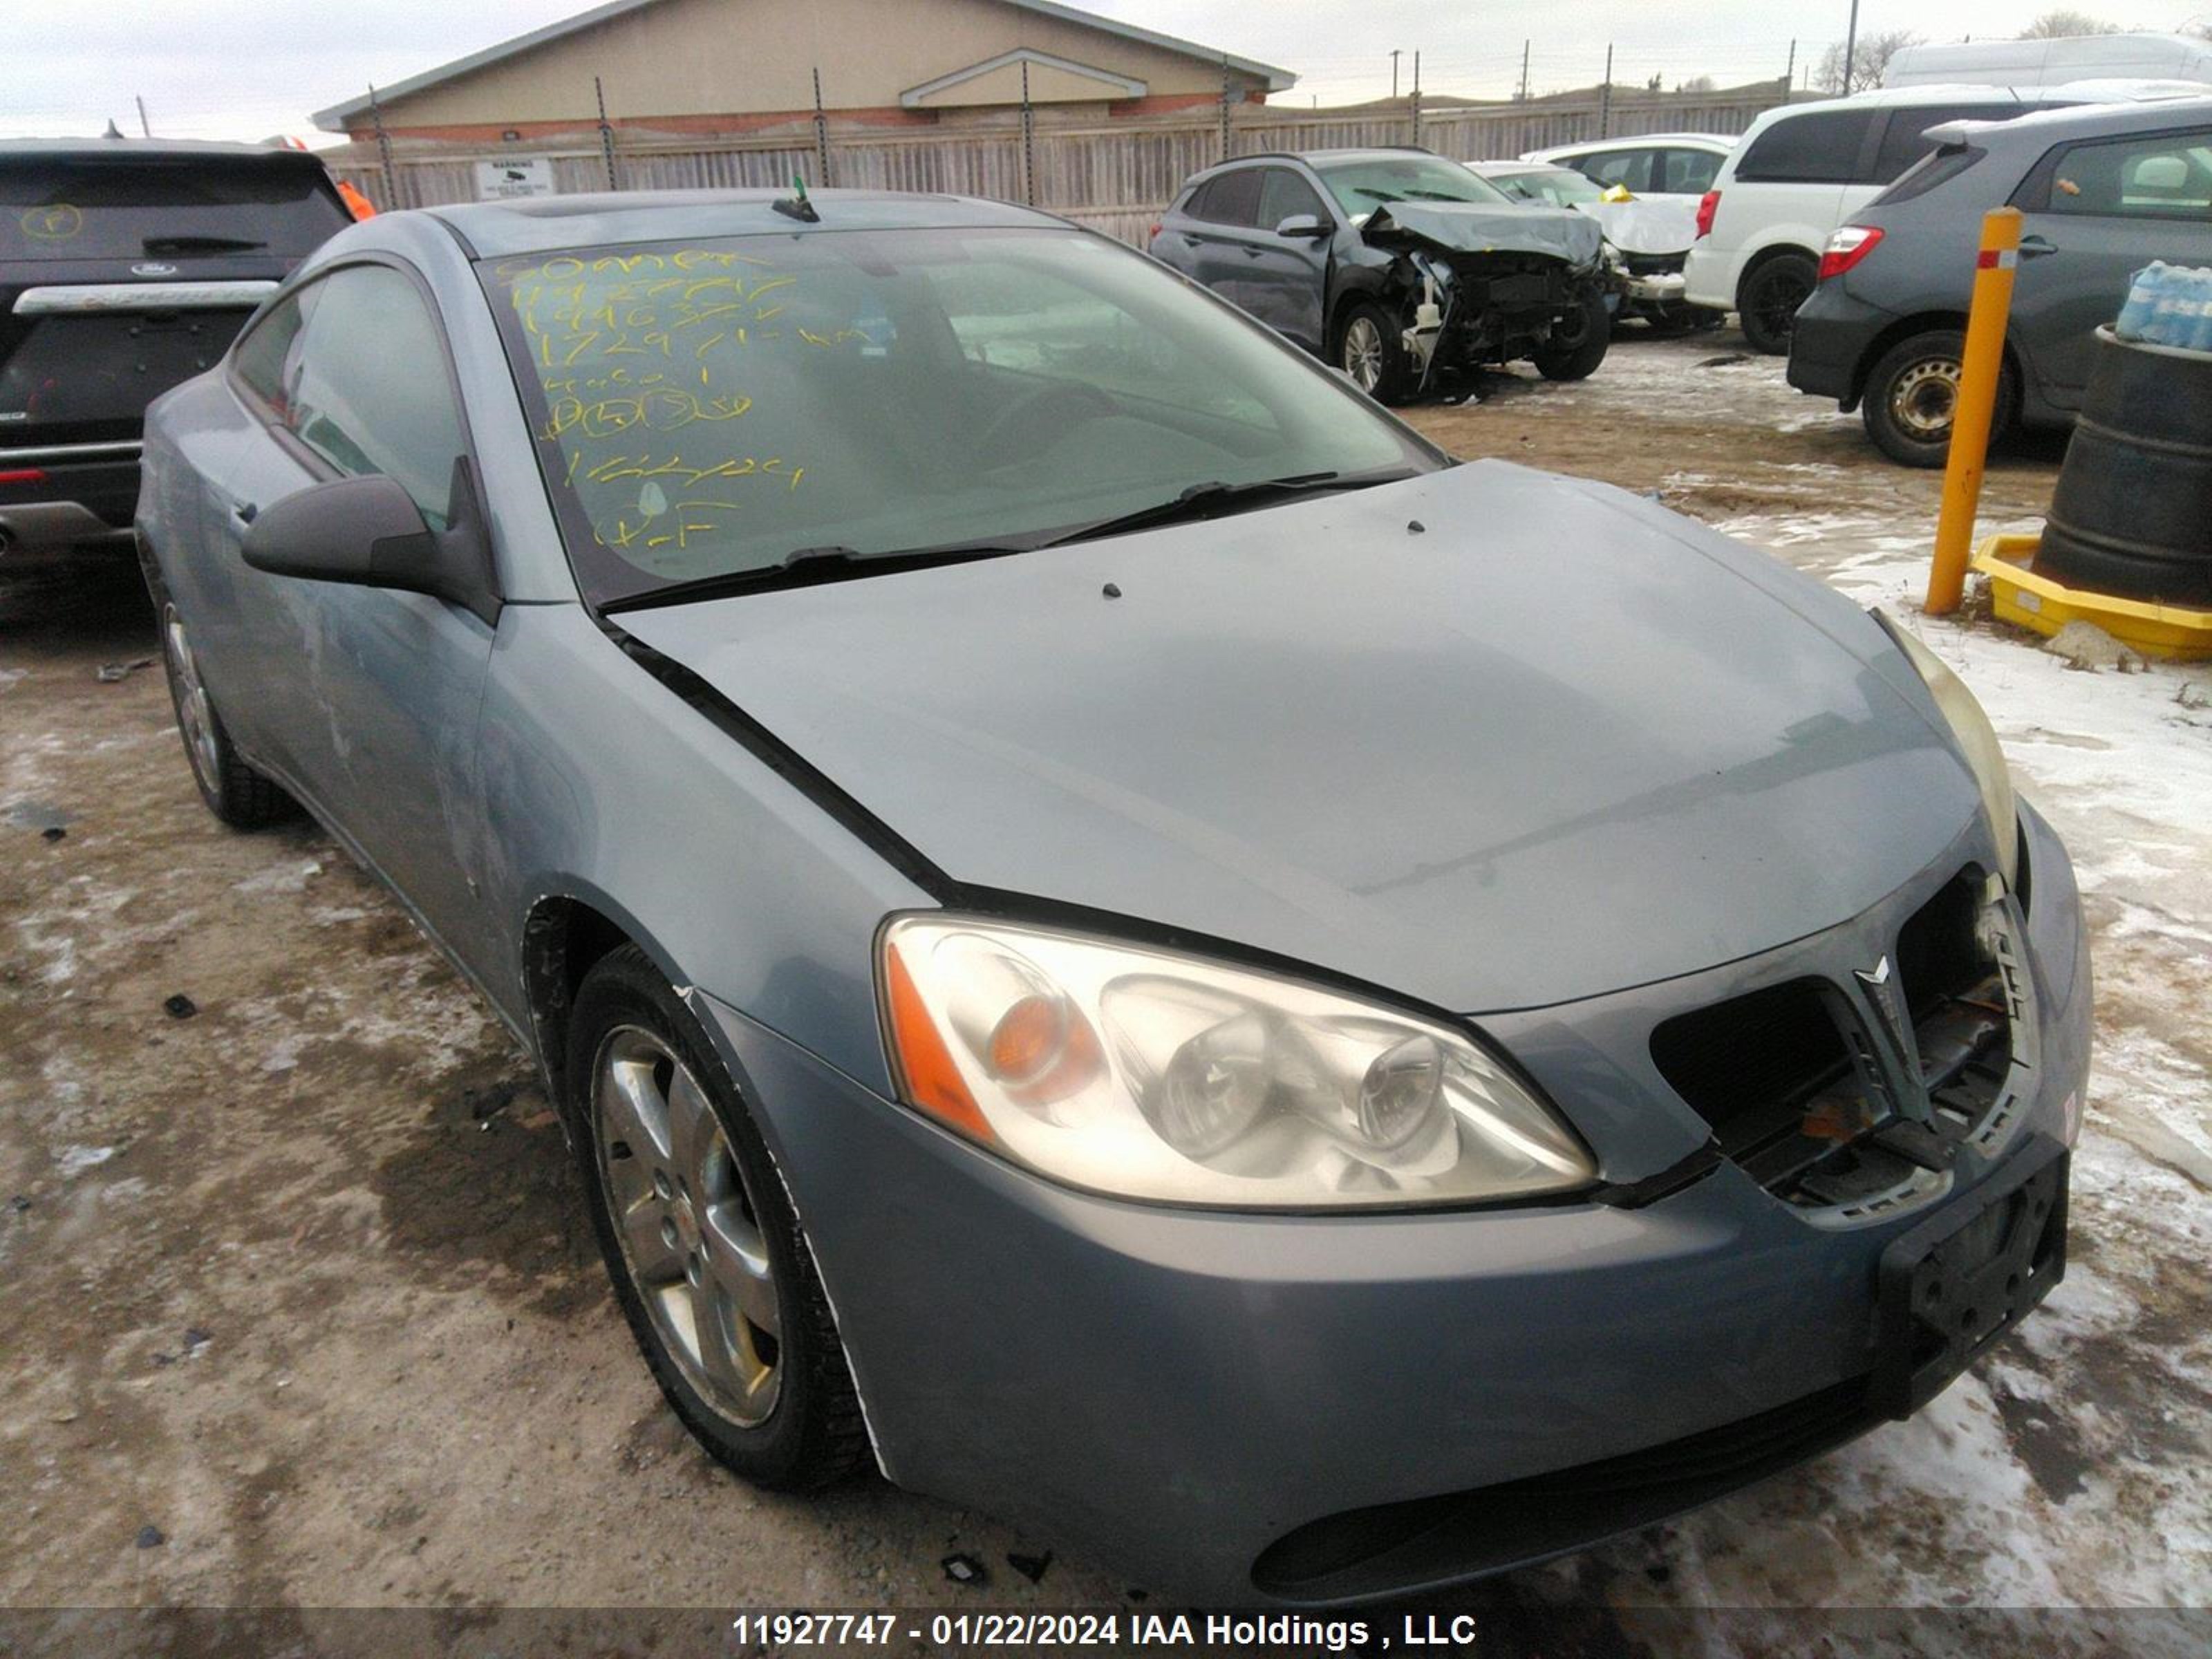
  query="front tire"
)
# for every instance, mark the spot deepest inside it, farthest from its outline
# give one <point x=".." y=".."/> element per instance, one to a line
<point x="708" y="1261"/>
<point x="1578" y="341"/>
<point x="1768" y="300"/>
<point x="1372" y="351"/>
<point x="1912" y="396"/>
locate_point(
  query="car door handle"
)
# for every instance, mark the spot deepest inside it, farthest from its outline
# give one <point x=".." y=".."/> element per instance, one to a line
<point x="2034" y="247"/>
<point x="1251" y="252"/>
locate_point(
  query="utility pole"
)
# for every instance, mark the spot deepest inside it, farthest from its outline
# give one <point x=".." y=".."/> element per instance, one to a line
<point x="1225" y="106"/>
<point x="1394" y="74"/>
<point x="1417" y="100"/>
<point x="821" y="124"/>
<point x="1851" y="48"/>
<point x="1524" y="71"/>
<point x="606" y="133"/>
<point x="1605" y="97"/>
<point x="384" y="149"/>
<point x="1790" y="73"/>
<point x="1028" y="141"/>
<point x="145" y="126"/>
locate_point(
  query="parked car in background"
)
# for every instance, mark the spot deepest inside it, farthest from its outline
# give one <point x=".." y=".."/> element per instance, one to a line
<point x="127" y="265"/>
<point x="1803" y="169"/>
<point x="1400" y="268"/>
<point x="1646" y="239"/>
<point x="2067" y="58"/>
<point x="1104" y="920"/>
<point x="2106" y="190"/>
<point x="1651" y="164"/>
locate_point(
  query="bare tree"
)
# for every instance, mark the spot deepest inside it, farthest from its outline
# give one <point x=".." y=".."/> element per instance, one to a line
<point x="1868" y="62"/>
<point x="1696" y="84"/>
<point x="2064" y="24"/>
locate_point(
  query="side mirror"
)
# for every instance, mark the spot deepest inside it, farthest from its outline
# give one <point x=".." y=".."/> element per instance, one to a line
<point x="367" y="532"/>
<point x="1305" y="225"/>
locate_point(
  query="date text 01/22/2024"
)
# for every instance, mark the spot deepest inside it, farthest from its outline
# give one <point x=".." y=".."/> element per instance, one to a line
<point x="1077" y="1630"/>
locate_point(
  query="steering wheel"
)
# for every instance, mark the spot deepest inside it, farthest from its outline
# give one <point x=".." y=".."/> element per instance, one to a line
<point x="1028" y="417"/>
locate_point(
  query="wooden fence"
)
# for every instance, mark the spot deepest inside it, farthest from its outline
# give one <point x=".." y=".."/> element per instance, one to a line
<point x="1113" y="176"/>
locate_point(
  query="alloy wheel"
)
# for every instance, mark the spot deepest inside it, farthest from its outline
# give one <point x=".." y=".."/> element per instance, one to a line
<point x="194" y="712"/>
<point x="691" y="1233"/>
<point x="1363" y="353"/>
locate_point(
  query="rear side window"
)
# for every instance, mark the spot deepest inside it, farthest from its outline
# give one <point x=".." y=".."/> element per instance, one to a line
<point x="1231" y="199"/>
<point x="371" y="392"/>
<point x="1630" y="167"/>
<point x="1689" y="172"/>
<point x="1821" y="149"/>
<point x="140" y="207"/>
<point x="266" y="358"/>
<point x="1906" y="140"/>
<point x="1938" y="166"/>
<point x="2153" y="176"/>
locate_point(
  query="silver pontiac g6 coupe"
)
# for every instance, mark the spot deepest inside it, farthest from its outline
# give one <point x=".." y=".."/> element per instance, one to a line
<point x="1113" y="931"/>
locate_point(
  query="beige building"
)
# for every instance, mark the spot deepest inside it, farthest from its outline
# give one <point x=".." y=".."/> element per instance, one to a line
<point x="735" y="66"/>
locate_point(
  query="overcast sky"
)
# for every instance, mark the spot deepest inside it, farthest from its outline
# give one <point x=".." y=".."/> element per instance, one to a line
<point x="249" y="69"/>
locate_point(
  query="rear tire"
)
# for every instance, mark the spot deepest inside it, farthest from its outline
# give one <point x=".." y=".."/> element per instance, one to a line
<point x="1910" y="394"/>
<point x="708" y="1258"/>
<point x="234" y="790"/>
<point x="1767" y="302"/>
<point x="1370" y="350"/>
<point x="1578" y="341"/>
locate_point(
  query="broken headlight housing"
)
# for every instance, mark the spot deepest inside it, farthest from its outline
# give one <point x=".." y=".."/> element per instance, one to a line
<point x="1148" y="1074"/>
<point x="1976" y="738"/>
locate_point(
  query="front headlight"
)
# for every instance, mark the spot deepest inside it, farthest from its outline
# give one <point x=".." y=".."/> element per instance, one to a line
<point x="1152" y="1075"/>
<point x="1976" y="737"/>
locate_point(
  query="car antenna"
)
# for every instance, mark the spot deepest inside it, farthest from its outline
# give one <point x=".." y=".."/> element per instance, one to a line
<point x="795" y="205"/>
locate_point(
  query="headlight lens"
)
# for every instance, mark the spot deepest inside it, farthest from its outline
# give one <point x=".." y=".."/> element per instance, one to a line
<point x="1152" y="1075"/>
<point x="1976" y="737"/>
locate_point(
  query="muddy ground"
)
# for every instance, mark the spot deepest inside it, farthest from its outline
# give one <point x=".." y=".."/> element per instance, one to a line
<point x="298" y="1307"/>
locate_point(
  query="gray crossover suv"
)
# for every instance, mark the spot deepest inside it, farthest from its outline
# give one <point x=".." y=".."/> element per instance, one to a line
<point x="1114" y="934"/>
<point x="2106" y="189"/>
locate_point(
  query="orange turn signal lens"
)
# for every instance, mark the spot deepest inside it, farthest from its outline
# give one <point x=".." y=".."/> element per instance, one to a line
<point x="927" y="1072"/>
<point x="1043" y="1050"/>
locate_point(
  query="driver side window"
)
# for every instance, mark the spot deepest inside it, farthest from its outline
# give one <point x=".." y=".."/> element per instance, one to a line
<point x="1284" y="195"/>
<point x="371" y="393"/>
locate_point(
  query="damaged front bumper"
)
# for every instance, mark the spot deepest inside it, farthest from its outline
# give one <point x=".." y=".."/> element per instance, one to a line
<point x="1241" y="1408"/>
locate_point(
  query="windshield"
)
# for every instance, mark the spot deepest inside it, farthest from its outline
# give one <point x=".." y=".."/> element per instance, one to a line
<point x="1557" y="186"/>
<point x="1362" y="185"/>
<point x="704" y="409"/>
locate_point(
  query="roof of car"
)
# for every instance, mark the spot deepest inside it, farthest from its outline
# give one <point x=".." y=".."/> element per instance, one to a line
<point x="137" y="148"/>
<point x="1633" y="141"/>
<point x="2040" y="127"/>
<point x="547" y="224"/>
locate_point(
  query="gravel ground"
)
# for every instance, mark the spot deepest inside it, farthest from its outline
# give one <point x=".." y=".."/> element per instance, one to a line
<point x="301" y="1309"/>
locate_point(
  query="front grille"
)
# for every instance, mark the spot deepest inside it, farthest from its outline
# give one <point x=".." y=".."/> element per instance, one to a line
<point x="1426" y="1541"/>
<point x="1653" y="264"/>
<point x="1805" y="1096"/>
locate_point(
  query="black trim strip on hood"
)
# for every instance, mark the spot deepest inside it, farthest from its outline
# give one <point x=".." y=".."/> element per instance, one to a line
<point x="788" y="763"/>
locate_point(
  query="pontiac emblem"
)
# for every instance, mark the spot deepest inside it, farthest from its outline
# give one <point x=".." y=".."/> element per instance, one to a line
<point x="152" y="268"/>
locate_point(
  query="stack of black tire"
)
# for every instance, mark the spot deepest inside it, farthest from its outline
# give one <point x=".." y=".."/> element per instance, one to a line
<point x="2132" y="514"/>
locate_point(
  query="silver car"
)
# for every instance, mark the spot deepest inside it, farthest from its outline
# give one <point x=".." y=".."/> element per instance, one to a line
<point x="1116" y="934"/>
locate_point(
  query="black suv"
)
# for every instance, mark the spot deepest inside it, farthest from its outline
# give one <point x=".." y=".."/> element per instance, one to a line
<point x="127" y="265"/>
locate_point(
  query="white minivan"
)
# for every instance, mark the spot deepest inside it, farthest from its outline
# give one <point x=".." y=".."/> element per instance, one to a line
<point x="1801" y="169"/>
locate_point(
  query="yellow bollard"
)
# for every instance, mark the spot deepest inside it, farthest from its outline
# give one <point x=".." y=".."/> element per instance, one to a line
<point x="1981" y="365"/>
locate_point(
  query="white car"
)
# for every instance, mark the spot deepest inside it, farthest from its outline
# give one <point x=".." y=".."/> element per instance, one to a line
<point x="1651" y="164"/>
<point x="1802" y="169"/>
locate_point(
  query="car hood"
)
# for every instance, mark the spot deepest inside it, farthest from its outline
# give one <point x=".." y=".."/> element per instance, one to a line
<point x="1487" y="737"/>
<point x="1647" y="224"/>
<point x="1483" y="227"/>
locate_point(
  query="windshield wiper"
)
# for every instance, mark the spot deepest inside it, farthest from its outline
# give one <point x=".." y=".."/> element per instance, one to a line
<point x="199" y="244"/>
<point x="1213" y="498"/>
<point x="804" y="565"/>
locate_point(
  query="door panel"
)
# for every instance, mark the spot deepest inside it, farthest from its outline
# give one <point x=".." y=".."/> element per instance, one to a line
<point x="2095" y="215"/>
<point x="372" y="696"/>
